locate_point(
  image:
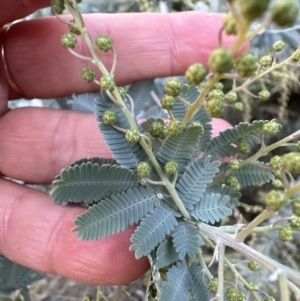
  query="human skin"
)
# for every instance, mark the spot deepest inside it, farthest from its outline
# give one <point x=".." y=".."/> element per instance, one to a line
<point x="36" y="143"/>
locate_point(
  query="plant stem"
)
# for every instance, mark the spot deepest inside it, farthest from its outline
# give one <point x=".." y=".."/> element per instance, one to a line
<point x="220" y="292"/>
<point x="283" y="283"/>
<point x="229" y="240"/>
<point x="240" y="237"/>
<point x="293" y="190"/>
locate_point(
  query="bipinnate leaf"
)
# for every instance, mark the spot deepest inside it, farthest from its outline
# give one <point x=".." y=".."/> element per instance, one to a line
<point x="186" y="239"/>
<point x="212" y="208"/>
<point x="90" y="182"/>
<point x="116" y="213"/>
<point x="253" y="174"/>
<point x="233" y="194"/>
<point x="190" y="93"/>
<point x="166" y="254"/>
<point x="180" y="148"/>
<point x="15" y="277"/>
<point x="177" y="286"/>
<point x="153" y="230"/>
<point x="197" y="175"/>
<point x="127" y="154"/>
<point x="221" y="146"/>
<point x="198" y="290"/>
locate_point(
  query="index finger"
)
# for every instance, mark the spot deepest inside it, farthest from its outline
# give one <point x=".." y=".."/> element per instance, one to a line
<point x="147" y="45"/>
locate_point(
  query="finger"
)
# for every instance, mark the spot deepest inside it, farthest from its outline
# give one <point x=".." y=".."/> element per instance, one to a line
<point x="36" y="232"/>
<point x="148" y="46"/>
<point x="40" y="142"/>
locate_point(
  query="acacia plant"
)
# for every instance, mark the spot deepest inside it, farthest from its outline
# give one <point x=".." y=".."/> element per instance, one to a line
<point x="167" y="178"/>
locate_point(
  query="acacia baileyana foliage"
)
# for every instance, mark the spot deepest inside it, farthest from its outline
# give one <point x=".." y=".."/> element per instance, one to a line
<point x="117" y="197"/>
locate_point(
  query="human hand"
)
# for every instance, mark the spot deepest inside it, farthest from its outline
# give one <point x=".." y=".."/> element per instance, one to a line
<point x="36" y="143"/>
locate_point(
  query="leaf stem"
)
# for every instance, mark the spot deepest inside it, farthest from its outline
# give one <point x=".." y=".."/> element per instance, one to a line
<point x="220" y="291"/>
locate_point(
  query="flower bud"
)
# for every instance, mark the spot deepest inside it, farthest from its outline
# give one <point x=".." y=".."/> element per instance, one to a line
<point x="243" y="147"/>
<point x="167" y="102"/>
<point x="57" y="6"/>
<point x="284" y="12"/>
<point x="271" y="128"/>
<point x="252" y="9"/>
<point x="246" y="64"/>
<point x="296" y="56"/>
<point x="232" y="182"/>
<point x="231" y="97"/>
<point x="296" y="207"/>
<point x="277" y="183"/>
<point x="276" y="162"/>
<point x="253" y="266"/>
<point x="107" y="82"/>
<point x="266" y="61"/>
<point x="213" y="285"/>
<point x="143" y="169"/>
<point x="175" y="127"/>
<point x="219" y="86"/>
<point x="278" y="46"/>
<point x="73" y="28"/>
<point x="157" y="129"/>
<point x="235" y="164"/>
<point x="171" y="167"/>
<point x="270" y="298"/>
<point x="122" y="92"/>
<point x="195" y="74"/>
<point x="232" y="294"/>
<point x="230" y="25"/>
<point x="239" y="106"/>
<point x="173" y="87"/>
<point x="286" y="234"/>
<point x="110" y="117"/>
<point x="295" y="222"/>
<point x="291" y="162"/>
<point x="88" y="74"/>
<point x="68" y="41"/>
<point x="221" y="60"/>
<point x="275" y="199"/>
<point x="132" y="136"/>
<point x="104" y="43"/>
<point x="264" y="95"/>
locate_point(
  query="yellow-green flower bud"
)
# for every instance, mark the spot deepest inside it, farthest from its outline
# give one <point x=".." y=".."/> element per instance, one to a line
<point x="291" y="162"/>
<point x="238" y="106"/>
<point x="73" y="28"/>
<point x="195" y="74"/>
<point x="230" y="25"/>
<point x="286" y="234"/>
<point x="171" y="167"/>
<point x="285" y="12"/>
<point x="107" y="82"/>
<point x="110" y="117"/>
<point x="68" y="41"/>
<point x="216" y="94"/>
<point x="232" y="182"/>
<point x="221" y="60"/>
<point x="167" y="102"/>
<point x="243" y="147"/>
<point x="252" y="9"/>
<point x="271" y="128"/>
<point x="57" y="6"/>
<point x="88" y="74"/>
<point x="277" y="183"/>
<point x="296" y="56"/>
<point x="213" y="285"/>
<point x="231" y="97"/>
<point x="214" y="107"/>
<point x="122" y="92"/>
<point x="235" y="164"/>
<point x="266" y="61"/>
<point x="173" y="87"/>
<point x="175" y="127"/>
<point x="246" y="64"/>
<point x="232" y="294"/>
<point x="132" y="136"/>
<point x="295" y="222"/>
<point x="104" y="43"/>
<point x="157" y="129"/>
<point x="276" y="162"/>
<point x="143" y="169"/>
<point x="264" y="95"/>
<point x="219" y="86"/>
<point x="275" y="199"/>
<point x="278" y="46"/>
<point x="296" y="207"/>
<point x="253" y="266"/>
